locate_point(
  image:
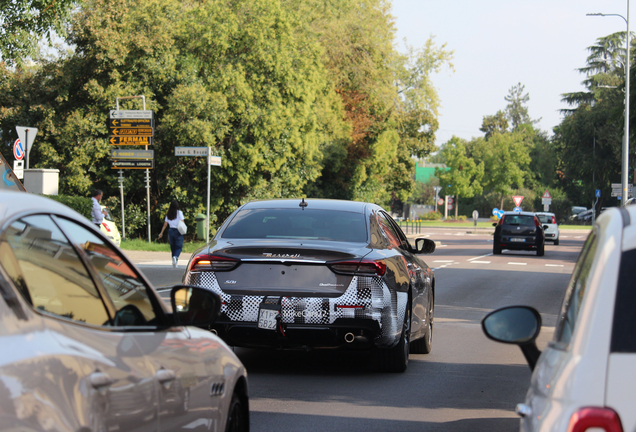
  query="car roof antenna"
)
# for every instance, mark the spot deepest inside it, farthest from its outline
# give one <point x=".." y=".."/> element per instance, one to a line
<point x="303" y="204"/>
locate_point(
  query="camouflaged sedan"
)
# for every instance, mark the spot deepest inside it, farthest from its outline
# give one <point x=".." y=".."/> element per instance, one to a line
<point x="319" y="274"/>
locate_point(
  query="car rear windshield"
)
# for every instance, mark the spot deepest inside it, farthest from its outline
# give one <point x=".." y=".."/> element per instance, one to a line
<point x="297" y="224"/>
<point x="519" y="220"/>
<point x="545" y="219"/>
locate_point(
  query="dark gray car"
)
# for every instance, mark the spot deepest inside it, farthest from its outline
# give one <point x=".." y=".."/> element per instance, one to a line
<point x="519" y="231"/>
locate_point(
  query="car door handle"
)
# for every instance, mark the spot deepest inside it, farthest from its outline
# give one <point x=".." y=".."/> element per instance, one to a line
<point x="165" y="375"/>
<point x="100" y="379"/>
<point x="523" y="410"/>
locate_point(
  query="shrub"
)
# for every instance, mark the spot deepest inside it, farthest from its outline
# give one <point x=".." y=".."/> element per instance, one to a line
<point x="82" y="205"/>
<point x="433" y="215"/>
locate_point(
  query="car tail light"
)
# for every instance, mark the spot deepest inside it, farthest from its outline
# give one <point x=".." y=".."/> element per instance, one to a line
<point x="592" y="417"/>
<point x="501" y="220"/>
<point x="212" y="263"/>
<point x="359" y="268"/>
<point x="106" y="226"/>
<point x="553" y="220"/>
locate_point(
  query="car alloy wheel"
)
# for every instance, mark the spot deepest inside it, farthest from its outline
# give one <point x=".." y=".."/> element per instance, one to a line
<point x="236" y="421"/>
<point x="396" y="359"/>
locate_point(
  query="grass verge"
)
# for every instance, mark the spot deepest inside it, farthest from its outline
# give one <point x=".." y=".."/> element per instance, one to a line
<point x="157" y="246"/>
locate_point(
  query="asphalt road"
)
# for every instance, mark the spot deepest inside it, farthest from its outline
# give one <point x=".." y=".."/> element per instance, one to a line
<point x="467" y="383"/>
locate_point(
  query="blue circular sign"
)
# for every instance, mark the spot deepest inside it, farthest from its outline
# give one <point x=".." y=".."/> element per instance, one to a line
<point x="517" y="210"/>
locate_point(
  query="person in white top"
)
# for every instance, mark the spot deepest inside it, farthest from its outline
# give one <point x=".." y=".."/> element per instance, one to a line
<point x="175" y="238"/>
<point x="97" y="214"/>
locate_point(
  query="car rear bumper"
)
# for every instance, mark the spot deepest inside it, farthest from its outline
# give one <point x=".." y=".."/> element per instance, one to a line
<point x="344" y="333"/>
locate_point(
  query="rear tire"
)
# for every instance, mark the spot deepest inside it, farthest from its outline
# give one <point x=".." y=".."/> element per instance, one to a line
<point x="396" y="359"/>
<point x="425" y="344"/>
<point x="237" y="421"/>
<point x="496" y="250"/>
<point x="556" y="242"/>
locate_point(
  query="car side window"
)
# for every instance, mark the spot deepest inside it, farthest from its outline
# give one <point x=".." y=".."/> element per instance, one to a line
<point x="389" y="231"/>
<point x="575" y="292"/>
<point x="48" y="272"/>
<point x="127" y="291"/>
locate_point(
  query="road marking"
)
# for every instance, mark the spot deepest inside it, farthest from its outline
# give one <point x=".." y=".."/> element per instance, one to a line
<point x="578" y="236"/>
<point x="446" y="261"/>
<point x="554" y="265"/>
<point x="516" y="263"/>
<point x="470" y="259"/>
<point x="480" y="262"/>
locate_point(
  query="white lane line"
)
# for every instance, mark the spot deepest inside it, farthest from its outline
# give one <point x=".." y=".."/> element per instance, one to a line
<point x="444" y="261"/>
<point x="480" y="262"/>
<point x="578" y="236"/>
<point x="516" y="263"/>
<point x="470" y="259"/>
<point x="554" y="265"/>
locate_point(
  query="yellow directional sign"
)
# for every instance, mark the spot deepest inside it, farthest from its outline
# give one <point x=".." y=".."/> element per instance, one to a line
<point x="130" y="123"/>
<point x="120" y="131"/>
<point x="130" y="140"/>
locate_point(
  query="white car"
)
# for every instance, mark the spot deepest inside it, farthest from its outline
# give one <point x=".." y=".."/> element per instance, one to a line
<point x="87" y="344"/>
<point x="585" y="379"/>
<point x="552" y="230"/>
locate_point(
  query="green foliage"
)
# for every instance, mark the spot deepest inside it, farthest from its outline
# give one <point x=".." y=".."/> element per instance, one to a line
<point x="24" y="22"/>
<point x="82" y="205"/>
<point x="433" y="215"/>
<point x="494" y="124"/>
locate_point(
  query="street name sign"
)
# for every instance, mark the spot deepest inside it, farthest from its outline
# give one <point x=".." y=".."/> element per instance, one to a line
<point x="617" y="189"/>
<point x="191" y="151"/>
<point x="132" y="164"/>
<point x="132" y="154"/>
<point x="131" y="114"/>
<point x="130" y="140"/>
<point x="215" y="160"/>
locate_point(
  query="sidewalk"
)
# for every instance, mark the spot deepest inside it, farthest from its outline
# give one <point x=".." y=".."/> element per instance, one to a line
<point x="142" y="258"/>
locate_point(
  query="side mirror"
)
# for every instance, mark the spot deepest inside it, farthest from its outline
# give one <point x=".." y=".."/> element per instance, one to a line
<point x="194" y="305"/>
<point x="424" y="246"/>
<point x="494" y="224"/>
<point x="545" y="227"/>
<point x="519" y="325"/>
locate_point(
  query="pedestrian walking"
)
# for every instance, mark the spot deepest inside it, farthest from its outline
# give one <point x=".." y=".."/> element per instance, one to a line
<point x="97" y="214"/>
<point x="175" y="238"/>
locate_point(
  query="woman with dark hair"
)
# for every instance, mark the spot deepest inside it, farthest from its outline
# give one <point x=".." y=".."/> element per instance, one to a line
<point x="175" y="238"/>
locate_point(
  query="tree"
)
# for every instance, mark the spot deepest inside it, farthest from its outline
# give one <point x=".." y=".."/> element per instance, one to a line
<point x="24" y="22"/>
<point x="494" y="124"/>
<point x="516" y="111"/>
<point x="464" y="177"/>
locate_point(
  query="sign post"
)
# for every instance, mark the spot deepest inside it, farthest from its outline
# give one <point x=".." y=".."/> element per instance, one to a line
<point x="132" y="127"/>
<point x="211" y="160"/>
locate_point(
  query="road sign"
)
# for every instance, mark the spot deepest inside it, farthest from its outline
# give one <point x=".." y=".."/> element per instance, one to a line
<point x="517" y="209"/>
<point x="598" y="193"/>
<point x="617" y="189"/>
<point x="546" y="207"/>
<point x="497" y="213"/>
<point x="440" y="201"/>
<point x="214" y="160"/>
<point x="131" y="114"/>
<point x="132" y="164"/>
<point x="449" y="200"/>
<point x="27" y="136"/>
<point x="546" y="201"/>
<point x="130" y="140"/>
<point x="18" y="169"/>
<point x="18" y="150"/>
<point x="450" y="206"/>
<point x="517" y="200"/>
<point x="132" y="154"/>
<point x="130" y="123"/>
<point x="124" y="131"/>
<point x="191" y="151"/>
<point x="546" y="195"/>
<point x="475" y="215"/>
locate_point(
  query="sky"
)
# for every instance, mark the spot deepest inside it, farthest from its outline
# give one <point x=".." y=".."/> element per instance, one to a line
<point x="500" y="43"/>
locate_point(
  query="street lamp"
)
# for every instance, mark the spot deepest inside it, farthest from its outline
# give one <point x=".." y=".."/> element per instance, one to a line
<point x="625" y="164"/>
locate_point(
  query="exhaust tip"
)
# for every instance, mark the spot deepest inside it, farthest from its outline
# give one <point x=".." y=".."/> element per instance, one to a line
<point x="214" y="331"/>
<point x="349" y="337"/>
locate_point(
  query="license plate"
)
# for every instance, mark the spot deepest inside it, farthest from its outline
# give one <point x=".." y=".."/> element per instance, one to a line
<point x="517" y="239"/>
<point x="267" y="319"/>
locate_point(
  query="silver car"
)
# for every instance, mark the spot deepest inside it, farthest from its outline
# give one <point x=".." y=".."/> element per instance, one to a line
<point x="551" y="229"/>
<point x="87" y="344"/>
